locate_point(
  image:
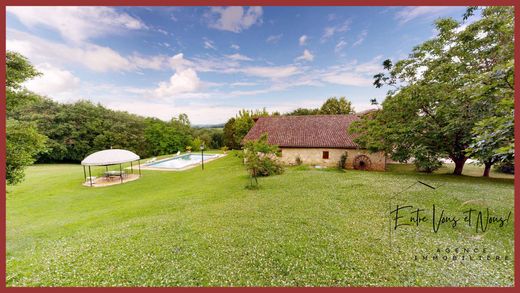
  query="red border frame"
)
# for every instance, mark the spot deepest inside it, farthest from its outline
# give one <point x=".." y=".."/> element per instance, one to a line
<point x="260" y="3"/>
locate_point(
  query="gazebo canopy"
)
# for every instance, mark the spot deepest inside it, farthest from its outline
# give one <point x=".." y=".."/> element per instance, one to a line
<point x="109" y="157"/>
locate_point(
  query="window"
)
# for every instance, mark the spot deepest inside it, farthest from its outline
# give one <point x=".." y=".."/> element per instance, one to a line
<point x="325" y="154"/>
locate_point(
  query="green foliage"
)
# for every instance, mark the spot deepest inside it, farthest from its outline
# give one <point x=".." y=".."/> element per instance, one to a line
<point x="224" y="149"/>
<point x="507" y="167"/>
<point x="196" y="143"/>
<point x="303" y="111"/>
<point x="229" y="135"/>
<point x="335" y="106"/>
<point x="343" y="160"/>
<point x="212" y="137"/>
<point x="426" y="160"/>
<point x="78" y="129"/>
<point x="445" y="87"/>
<point x="166" y="137"/>
<point x="260" y="159"/>
<point x="18" y="70"/>
<point x="23" y="143"/>
<point x="494" y="139"/>
<point x="244" y="121"/>
<point x="236" y="128"/>
<point x="332" y="106"/>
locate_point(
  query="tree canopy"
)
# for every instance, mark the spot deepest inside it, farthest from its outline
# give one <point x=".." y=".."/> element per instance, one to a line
<point x="443" y="90"/>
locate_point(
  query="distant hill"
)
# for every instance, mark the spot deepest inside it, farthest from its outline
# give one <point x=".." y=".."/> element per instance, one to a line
<point x="221" y="125"/>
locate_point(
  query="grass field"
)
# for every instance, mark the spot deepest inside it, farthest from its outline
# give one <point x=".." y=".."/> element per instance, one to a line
<point x="204" y="228"/>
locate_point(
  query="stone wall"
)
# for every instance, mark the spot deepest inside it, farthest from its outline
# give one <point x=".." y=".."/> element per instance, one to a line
<point x="314" y="156"/>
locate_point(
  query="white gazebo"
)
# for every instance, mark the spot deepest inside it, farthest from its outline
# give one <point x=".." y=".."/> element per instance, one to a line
<point x="107" y="158"/>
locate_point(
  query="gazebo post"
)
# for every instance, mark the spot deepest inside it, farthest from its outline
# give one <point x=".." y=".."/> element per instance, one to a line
<point x="90" y="176"/>
<point x="139" y="162"/>
<point x="84" y="173"/>
<point x="131" y="168"/>
<point x="121" y="173"/>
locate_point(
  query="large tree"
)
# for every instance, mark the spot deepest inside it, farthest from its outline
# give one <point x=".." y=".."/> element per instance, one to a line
<point x="335" y="106"/>
<point x="229" y="134"/>
<point x="494" y="140"/>
<point x="23" y="142"/>
<point x="442" y="90"/>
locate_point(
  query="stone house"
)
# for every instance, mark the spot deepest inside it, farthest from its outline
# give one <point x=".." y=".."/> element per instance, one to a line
<point x="316" y="140"/>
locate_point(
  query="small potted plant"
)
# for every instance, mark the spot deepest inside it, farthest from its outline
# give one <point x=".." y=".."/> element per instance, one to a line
<point x="188" y="149"/>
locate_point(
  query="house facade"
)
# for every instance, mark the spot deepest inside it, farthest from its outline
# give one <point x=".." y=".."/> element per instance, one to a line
<point x="316" y="140"/>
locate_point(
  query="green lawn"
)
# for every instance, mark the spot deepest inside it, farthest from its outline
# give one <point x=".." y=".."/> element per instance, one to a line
<point x="204" y="228"/>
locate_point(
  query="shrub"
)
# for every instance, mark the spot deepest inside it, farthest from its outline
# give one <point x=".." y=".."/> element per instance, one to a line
<point x="342" y="160"/>
<point x="505" y="167"/>
<point x="298" y="161"/>
<point x="188" y="148"/>
<point x="224" y="149"/>
<point x="260" y="159"/>
<point x="196" y="143"/>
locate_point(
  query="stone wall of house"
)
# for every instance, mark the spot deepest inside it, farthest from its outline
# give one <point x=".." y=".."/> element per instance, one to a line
<point x="314" y="156"/>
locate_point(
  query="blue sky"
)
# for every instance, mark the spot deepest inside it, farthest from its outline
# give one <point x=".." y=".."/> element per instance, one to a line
<point x="209" y="62"/>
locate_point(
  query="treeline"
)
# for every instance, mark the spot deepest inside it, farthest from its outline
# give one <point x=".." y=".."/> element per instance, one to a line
<point x="75" y="130"/>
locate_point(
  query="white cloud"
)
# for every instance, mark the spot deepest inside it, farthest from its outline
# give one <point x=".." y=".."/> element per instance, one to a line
<point x="302" y="40"/>
<point x="94" y="57"/>
<point x="353" y="73"/>
<point x="77" y="24"/>
<point x="183" y="81"/>
<point x="340" y="46"/>
<point x="307" y="56"/>
<point x="178" y="62"/>
<point x="239" y="57"/>
<point x="412" y="12"/>
<point x="328" y="32"/>
<point x="235" y="46"/>
<point x="243" y="83"/>
<point x="347" y="78"/>
<point x="371" y="67"/>
<point x="273" y="39"/>
<point x="209" y="44"/>
<point x="361" y="38"/>
<point x="272" y="71"/>
<point x="234" y="18"/>
<point x="53" y="82"/>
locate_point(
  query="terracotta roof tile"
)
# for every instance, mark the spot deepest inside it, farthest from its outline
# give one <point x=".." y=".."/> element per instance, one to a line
<point x="318" y="131"/>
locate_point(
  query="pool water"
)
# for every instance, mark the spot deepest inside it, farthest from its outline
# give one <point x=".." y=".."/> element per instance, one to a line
<point x="181" y="161"/>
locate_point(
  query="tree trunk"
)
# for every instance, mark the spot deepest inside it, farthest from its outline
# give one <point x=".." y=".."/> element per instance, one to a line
<point x="487" y="168"/>
<point x="459" y="165"/>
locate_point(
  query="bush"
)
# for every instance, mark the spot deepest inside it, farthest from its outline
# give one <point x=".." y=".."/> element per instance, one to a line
<point x="505" y="167"/>
<point x="261" y="159"/>
<point x="298" y="161"/>
<point x="196" y="143"/>
<point x="342" y="160"/>
<point x="224" y="149"/>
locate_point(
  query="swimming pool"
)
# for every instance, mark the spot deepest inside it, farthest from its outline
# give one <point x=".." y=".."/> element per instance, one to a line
<point x="181" y="162"/>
